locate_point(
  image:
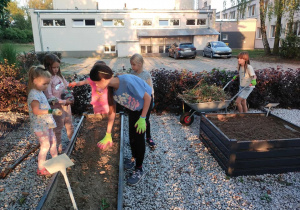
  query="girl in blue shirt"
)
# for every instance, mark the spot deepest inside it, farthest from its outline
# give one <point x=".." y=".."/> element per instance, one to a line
<point x="135" y="94"/>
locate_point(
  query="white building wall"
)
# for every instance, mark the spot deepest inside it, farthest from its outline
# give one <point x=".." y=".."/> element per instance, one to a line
<point x="128" y="48"/>
<point x="74" y="4"/>
<point x="201" y="41"/>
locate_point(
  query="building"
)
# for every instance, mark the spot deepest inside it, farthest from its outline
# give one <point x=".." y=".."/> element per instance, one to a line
<point x="121" y="28"/>
<point x="252" y="12"/>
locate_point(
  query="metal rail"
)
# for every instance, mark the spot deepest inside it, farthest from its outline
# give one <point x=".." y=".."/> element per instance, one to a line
<point x="121" y="166"/>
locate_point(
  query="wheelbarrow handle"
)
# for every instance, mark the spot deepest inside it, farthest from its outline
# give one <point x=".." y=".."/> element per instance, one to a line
<point x="239" y="92"/>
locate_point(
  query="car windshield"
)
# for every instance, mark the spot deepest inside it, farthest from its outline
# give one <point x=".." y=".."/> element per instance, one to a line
<point x="186" y="46"/>
<point x="219" y="44"/>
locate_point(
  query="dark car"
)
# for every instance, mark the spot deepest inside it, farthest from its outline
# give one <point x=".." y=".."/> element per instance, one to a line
<point x="217" y="49"/>
<point x="182" y="50"/>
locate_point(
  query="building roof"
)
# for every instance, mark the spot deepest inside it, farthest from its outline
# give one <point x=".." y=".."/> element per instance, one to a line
<point x="175" y="32"/>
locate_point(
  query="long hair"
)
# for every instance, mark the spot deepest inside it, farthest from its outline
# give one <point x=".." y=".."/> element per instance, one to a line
<point x="35" y="72"/>
<point x="98" y="72"/>
<point x="244" y="55"/>
<point x="49" y="59"/>
<point x="137" y="58"/>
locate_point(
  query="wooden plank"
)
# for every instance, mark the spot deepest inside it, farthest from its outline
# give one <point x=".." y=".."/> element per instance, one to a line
<point x="269" y="170"/>
<point x="257" y="145"/>
<point x="215" y="140"/>
<point x="274" y="153"/>
<point x="220" y="158"/>
<point x="269" y="162"/>
<point x="225" y="140"/>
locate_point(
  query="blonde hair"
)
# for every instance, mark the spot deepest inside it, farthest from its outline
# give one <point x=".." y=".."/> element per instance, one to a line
<point x="244" y="55"/>
<point x="35" y="72"/>
<point x="137" y="58"/>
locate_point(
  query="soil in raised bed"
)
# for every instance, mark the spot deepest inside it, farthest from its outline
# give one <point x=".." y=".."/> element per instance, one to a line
<point x="94" y="177"/>
<point x="245" y="127"/>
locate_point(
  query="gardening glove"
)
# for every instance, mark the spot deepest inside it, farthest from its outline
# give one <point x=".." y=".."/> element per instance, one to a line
<point x="72" y="84"/>
<point x="234" y="78"/>
<point x="57" y="112"/>
<point x="107" y="140"/>
<point x="140" y="125"/>
<point x="253" y="82"/>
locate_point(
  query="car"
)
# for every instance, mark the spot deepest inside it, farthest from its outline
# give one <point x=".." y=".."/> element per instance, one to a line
<point x="217" y="49"/>
<point x="182" y="50"/>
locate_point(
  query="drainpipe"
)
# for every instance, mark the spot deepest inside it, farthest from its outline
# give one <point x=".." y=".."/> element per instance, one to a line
<point x="40" y="31"/>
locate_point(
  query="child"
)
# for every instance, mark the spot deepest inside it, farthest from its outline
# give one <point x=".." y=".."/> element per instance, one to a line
<point x="133" y="93"/>
<point x="41" y="120"/>
<point x="247" y="77"/>
<point x="55" y="89"/>
<point x="99" y="96"/>
<point x="137" y="62"/>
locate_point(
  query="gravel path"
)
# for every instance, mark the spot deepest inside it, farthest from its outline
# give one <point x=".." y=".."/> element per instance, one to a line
<point x="181" y="174"/>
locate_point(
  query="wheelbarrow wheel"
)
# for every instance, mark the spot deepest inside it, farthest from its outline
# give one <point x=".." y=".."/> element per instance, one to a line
<point x="186" y="119"/>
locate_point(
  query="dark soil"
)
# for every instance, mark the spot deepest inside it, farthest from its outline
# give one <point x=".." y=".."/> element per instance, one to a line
<point x="94" y="177"/>
<point x="246" y="127"/>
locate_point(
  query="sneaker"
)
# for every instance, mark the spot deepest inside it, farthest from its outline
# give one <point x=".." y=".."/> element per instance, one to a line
<point x="136" y="177"/>
<point x="151" y="143"/>
<point x="129" y="163"/>
<point x="43" y="172"/>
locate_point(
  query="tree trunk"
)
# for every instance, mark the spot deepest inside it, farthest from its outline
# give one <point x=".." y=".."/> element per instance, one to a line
<point x="263" y="9"/>
<point x="278" y="29"/>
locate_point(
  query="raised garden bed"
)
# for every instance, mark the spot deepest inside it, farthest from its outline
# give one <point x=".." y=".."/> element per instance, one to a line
<point x="250" y="144"/>
<point x="94" y="178"/>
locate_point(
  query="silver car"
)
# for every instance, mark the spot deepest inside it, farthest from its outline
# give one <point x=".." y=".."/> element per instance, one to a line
<point x="217" y="49"/>
<point x="182" y="50"/>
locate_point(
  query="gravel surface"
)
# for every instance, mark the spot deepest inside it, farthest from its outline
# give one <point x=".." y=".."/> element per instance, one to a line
<point x="181" y="174"/>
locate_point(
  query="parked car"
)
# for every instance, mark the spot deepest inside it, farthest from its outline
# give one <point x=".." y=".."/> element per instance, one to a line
<point x="217" y="49"/>
<point x="182" y="50"/>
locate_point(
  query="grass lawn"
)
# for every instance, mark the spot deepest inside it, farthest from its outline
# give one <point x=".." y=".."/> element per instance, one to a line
<point x="252" y="53"/>
<point x="22" y="47"/>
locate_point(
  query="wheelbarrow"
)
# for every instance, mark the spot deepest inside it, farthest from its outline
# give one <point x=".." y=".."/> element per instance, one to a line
<point x="187" y="118"/>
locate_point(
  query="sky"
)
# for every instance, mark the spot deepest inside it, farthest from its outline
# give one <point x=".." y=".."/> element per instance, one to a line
<point x="21" y="2"/>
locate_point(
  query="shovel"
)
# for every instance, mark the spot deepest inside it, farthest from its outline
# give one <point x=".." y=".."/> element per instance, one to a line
<point x="60" y="163"/>
<point x="270" y="105"/>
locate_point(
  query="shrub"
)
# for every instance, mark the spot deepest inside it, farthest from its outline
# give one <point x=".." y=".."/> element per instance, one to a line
<point x="290" y="47"/>
<point x="13" y="95"/>
<point x="26" y="60"/>
<point x="29" y="35"/>
<point x="41" y="55"/>
<point x="8" y="51"/>
<point x="15" y="34"/>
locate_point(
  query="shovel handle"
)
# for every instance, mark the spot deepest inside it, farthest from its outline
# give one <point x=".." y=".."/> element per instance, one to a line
<point x="64" y="173"/>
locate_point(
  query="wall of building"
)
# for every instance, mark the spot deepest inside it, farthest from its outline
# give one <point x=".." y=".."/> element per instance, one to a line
<point x="128" y="48"/>
<point x="200" y="41"/>
<point x="73" y="4"/>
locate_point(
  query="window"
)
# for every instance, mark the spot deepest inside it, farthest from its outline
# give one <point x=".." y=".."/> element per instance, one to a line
<point x="224" y="36"/>
<point x="193" y="22"/>
<point x="258" y="33"/>
<point x="242" y="15"/>
<point x="113" y="22"/>
<point x="296" y="28"/>
<point x="232" y="15"/>
<point x="140" y="22"/>
<point x="225" y="16"/>
<point x="163" y="22"/>
<point x="109" y="49"/>
<point x="83" y="22"/>
<point x="55" y="22"/>
<point x="251" y="10"/>
<point x="161" y="49"/>
<point x="146" y="49"/>
<point x="169" y="22"/>
<point x="272" y="35"/>
<point x="174" y="22"/>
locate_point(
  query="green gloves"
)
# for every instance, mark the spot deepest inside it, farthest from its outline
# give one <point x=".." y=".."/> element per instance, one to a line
<point x="57" y="112"/>
<point x="234" y="78"/>
<point x="140" y="125"/>
<point x="107" y="140"/>
<point x="253" y="82"/>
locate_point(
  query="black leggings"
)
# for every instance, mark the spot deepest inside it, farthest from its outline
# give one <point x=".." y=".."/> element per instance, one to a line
<point x="137" y="141"/>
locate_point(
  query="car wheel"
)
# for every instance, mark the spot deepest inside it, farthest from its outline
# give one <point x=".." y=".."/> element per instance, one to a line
<point x="211" y="55"/>
<point x="229" y="57"/>
<point x="194" y="57"/>
<point x="203" y="53"/>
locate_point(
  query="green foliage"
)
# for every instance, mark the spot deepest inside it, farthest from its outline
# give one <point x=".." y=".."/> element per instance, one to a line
<point x="4" y="14"/>
<point x="104" y="204"/>
<point x="266" y="197"/>
<point x="20" y="22"/>
<point x="8" y="52"/>
<point x="290" y="47"/>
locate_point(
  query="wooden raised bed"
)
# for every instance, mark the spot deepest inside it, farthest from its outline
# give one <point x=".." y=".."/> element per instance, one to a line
<point x="251" y="156"/>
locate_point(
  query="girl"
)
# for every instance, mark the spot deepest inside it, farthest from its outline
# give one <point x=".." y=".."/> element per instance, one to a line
<point x="137" y="62"/>
<point x="247" y="78"/>
<point x="55" y="90"/>
<point x="99" y="96"/>
<point x="133" y="93"/>
<point x="41" y="120"/>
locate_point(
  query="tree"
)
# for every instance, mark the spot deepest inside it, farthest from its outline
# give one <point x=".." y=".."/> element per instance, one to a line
<point x="40" y="4"/>
<point x="263" y="6"/>
<point x="13" y="9"/>
<point x="279" y="6"/>
<point x="4" y="16"/>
